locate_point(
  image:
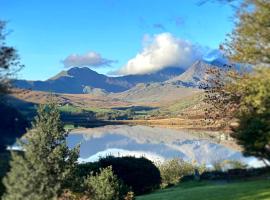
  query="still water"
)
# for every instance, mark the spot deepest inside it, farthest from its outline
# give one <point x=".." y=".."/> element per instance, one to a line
<point x="157" y="144"/>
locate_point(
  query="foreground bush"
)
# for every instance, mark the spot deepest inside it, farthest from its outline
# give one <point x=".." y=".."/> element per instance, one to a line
<point x="140" y="174"/>
<point x="69" y="195"/>
<point x="103" y="186"/>
<point x="172" y="171"/>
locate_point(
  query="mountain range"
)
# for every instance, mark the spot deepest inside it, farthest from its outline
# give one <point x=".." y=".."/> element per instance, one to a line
<point x="80" y="80"/>
<point x="84" y="80"/>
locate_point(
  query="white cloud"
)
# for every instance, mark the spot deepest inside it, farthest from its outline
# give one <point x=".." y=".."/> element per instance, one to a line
<point x="161" y="51"/>
<point x="90" y="59"/>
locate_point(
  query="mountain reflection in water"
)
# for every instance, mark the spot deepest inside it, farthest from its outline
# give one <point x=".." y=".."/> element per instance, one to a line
<point x="157" y="144"/>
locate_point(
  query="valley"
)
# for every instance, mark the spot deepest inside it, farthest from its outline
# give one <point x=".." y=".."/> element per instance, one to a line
<point x="169" y="97"/>
<point x="125" y="100"/>
<point x="175" y="104"/>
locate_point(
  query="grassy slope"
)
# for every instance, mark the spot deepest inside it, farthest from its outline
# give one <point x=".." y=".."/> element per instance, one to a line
<point x="249" y="190"/>
<point x="74" y="109"/>
<point x="183" y="105"/>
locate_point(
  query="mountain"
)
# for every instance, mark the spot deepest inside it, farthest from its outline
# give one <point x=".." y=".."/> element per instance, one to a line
<point x="155" y="93"/>
<point x="183" y="85"/>
<point x="79" y="80"/>
<point x="194" y="75"/>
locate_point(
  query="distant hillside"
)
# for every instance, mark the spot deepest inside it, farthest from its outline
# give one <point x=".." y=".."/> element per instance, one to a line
<point x="184" y="85"/>
<point x="194" y="75"/>
<point x="155" y="93"/>
<point x="82" y="80"/>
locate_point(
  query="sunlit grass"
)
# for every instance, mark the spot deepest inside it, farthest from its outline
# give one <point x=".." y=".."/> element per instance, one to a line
<point x="245" y="190"/>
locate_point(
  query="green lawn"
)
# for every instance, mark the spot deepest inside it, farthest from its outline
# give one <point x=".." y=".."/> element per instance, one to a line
<point x="248" y="190"/>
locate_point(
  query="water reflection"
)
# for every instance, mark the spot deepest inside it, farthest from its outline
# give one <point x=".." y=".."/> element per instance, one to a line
<point x="153" y="143"/>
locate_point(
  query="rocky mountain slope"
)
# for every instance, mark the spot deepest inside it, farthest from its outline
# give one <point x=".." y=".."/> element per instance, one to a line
<point x="154" y="93"/>
<point x="184" y="85"/>
<point x="194" y="75"/>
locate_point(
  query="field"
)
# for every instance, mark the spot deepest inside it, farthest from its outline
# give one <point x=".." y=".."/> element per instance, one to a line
<point x="244" y="190"/>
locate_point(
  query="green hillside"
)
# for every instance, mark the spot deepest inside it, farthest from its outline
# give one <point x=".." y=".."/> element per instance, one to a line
<point x="248" y="190"/>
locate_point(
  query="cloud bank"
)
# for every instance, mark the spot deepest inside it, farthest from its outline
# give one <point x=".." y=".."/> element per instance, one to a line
<point x="90" y="59"/>
<point x="162" y="51"/>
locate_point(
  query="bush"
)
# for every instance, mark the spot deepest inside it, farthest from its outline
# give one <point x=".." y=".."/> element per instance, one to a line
<point x="225" y="165"/>
<point x="129" y="196"/>
<point x="69" y="195"/>
<point x="140" y="174"/>
<point x="172" y="171"/>
<point x="103" y="186"/>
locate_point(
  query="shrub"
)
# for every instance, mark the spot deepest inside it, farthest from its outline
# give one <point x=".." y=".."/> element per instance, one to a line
<point x="69" y="195"/>
<point x="235" y="164"/>
<point x="218" y="166"/>
<point x="173" y="170"/>
<point x="103" y="186"/>
<point x="225" y="165"/>
<point x="201" y="168"/>
<point x="140" y="174"/>
<point x="129" y="196"/>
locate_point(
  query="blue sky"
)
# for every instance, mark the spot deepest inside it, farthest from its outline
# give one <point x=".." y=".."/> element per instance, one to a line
<point x="45" y="33"/>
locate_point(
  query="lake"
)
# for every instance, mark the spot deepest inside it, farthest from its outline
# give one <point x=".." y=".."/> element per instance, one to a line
<point x="156" y="144"/>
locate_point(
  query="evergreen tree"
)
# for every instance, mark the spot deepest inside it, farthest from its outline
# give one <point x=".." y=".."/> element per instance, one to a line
<point x="41" y="171"/>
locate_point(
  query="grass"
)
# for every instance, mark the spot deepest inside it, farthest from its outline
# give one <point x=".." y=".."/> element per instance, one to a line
<point x="76" y="109"/>
<point x="70" y="109"/>
<point x="98" y="110"/>
<point x="248" y="190"/>
<point x="181" y="105"/>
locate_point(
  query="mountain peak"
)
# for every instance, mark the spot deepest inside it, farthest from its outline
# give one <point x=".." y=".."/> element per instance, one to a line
<point x="81" y="79"/>
<point x="76" y="70"/>
<point x="194" y="75"/>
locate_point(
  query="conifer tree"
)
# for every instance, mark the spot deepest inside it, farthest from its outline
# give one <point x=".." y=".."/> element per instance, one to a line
<point x="42" y="169"/>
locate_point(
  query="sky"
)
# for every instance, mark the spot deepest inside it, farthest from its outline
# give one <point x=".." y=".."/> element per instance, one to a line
<point x="115" y="37"/>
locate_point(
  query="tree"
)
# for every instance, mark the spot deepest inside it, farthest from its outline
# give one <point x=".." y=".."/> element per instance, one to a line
<point x="245" y="97"/>
<point x="46" y="164"/>
<point x="13" y="123"/>
<point x="249" y="42"/>
<point x="221" y="96"/>
<point x="253" y="130"/>
<point x="9" y="62"/>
